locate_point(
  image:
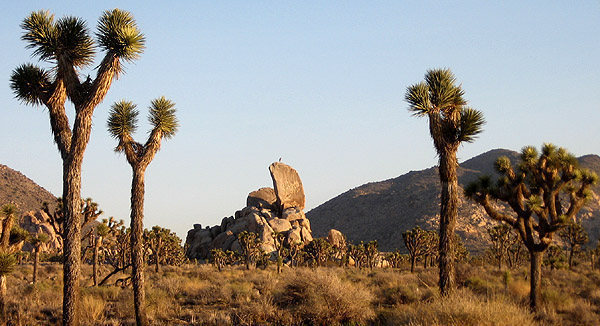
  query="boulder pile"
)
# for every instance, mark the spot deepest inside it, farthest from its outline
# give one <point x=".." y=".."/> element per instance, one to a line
<point x="39" y="222"/>
<point x="268" y="210"/>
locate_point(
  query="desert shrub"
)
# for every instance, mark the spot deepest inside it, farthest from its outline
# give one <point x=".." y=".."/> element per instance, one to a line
<point x="462" y="308"/>
<point x="321" y="297"/>
<point x="92" y="310"/>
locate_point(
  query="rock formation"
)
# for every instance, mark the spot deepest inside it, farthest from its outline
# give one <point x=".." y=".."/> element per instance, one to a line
<point x="38" y="222"/>
<point x="268" y="210"/>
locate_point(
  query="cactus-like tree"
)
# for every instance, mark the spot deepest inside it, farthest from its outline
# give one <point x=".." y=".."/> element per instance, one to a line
<point x="574" y="236"/>
<point x="68" y="46"/>
<point x="417" y="241"/>
<point x="37" y="240"/>
<point x="545" y="191"/>
<point x="500" y="238"/>
<point x="122" y="123"/>
<point x="102" y="231"/>
<point x="451" y="123"/>
<point x="371" y="254"/>
<point x="279" y="239"/>
<point x="10" y="242"/>
<point x="318" y="251"/>
<point x="218" y="257"/>
<point x="250" y="244"/>
<point x="165" y="246"/>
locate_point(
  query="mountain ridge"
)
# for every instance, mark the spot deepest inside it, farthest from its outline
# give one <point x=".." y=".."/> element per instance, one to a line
<point x="382" y="210"/>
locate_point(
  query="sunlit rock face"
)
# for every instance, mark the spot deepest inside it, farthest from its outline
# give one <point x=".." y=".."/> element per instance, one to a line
<point x="268" y="210"/>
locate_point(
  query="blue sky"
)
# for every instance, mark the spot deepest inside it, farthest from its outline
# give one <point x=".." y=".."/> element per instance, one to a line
<point x="320" y="84"/>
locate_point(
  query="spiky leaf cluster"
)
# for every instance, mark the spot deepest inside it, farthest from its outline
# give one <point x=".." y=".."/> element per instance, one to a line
<point x="30" y="83"/>
<point x="162" y="116"/>
<point x="122" y="121"/>
<point x="118" y="34"/>
<point x="440" y="99"/>
<point x="7" y="263"/>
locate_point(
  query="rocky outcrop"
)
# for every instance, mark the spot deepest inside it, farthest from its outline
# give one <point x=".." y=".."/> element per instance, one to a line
<point x="38" y="222"/>
<point x="288" y="186"/>
<point x="268" y="210"/>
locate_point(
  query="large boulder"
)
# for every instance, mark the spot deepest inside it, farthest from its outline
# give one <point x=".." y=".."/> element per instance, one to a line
<point x="288" y="186"/>
<point x="336" y="238"/>
<point x="280" y="225"/>
<point x="262" y="198"/>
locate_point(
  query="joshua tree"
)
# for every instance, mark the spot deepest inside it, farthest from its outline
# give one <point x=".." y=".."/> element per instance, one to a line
<point x="574" y="236"/>
<point x="417" y="242"/>
<point x="555" y="257"/>
<point x="371" y="254"/>
<point x="545" y="192"/>
<point x="395" y="259"/>
<point x="218" y="258"/>
<point x="279" y="241"/>
<point x="250" y="244"/>
<point x="500" y="237"/>
<point x="122" y="123"/>
<point x="165" y="246"/>
<point x="67" y="45"/>
<point x="318" y="251"/>
<point x="102" y="231"/>
<point x="10" y="242"/>
<point x="37" y="241"/>
<point x="450" y="123"/>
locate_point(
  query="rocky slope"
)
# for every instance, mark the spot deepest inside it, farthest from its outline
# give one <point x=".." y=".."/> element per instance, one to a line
<point x="17" y="188"/>
<point x="383" y="210"/>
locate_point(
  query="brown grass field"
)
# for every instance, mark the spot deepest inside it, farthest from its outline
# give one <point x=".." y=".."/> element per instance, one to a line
<point x="201" y="295"/>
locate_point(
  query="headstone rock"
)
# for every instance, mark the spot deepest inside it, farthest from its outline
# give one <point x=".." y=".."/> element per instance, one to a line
<point x="288" y="186"/>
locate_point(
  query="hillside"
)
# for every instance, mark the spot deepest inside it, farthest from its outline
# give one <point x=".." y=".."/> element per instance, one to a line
<point x="17" y="188"/>
<point x="383" y="210"/>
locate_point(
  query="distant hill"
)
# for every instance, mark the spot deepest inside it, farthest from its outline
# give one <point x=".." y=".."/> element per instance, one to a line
<point x="17" y="188"/>
<point x="383" y="210"/>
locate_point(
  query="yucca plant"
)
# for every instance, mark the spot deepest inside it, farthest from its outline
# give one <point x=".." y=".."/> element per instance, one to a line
<point x="545" y="191"/>
<point x="37" y="240"/>
<point x="67" y="47"/>
<point x="10" y="242"/>
<point x="451" y="123"/>
<point x="122" y="123"/>
<point x="102" y="230"/>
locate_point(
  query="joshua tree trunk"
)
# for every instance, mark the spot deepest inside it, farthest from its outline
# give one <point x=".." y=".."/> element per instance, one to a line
<point x="3" y="299"/>
<point x="537" y="257"/>
<point x="157" y="267"/>
<point x="36" y="262"/>
<point x="412" y="263"/>
<point x="95" y="260"/>
<point x="72" y="240"/>
<point x="137" y="249"/>
<point x="571" y="257"/>
<point x="448" y="213"/>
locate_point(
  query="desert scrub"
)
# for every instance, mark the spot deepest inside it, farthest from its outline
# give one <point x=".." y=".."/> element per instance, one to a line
<point x="320" y="297"/>
<point x="461" y="308"/>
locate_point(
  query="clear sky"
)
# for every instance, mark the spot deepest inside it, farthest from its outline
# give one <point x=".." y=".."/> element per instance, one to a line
<point x="320" y="84"/>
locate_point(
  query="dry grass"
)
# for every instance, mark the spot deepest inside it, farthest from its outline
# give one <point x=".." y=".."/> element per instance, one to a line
<point x="200" y="295"/>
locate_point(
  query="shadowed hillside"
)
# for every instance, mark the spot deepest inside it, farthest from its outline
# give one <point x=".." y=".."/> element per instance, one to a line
<point x="383" y="210"/>
<point x="17" y="188"/>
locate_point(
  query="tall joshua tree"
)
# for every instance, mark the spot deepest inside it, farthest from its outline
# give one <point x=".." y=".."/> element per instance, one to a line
<point x="67" y="46"/>
<point x="544" y="191"/>
<point x="450" y="123"/>
<point x="122" y="123"/>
